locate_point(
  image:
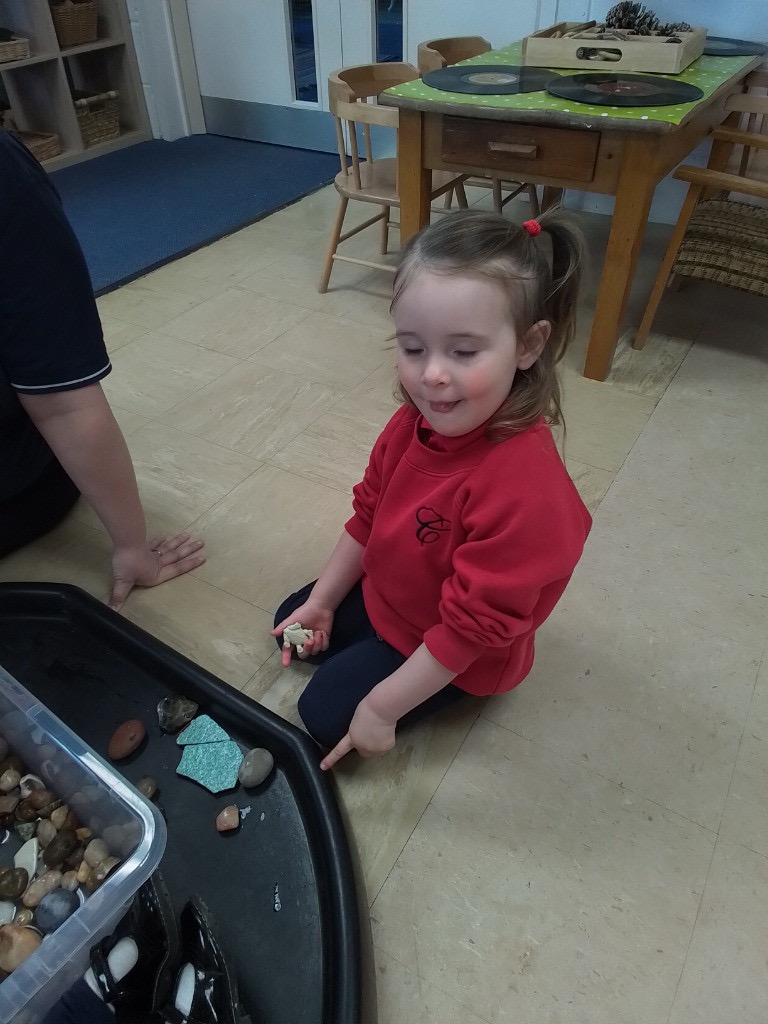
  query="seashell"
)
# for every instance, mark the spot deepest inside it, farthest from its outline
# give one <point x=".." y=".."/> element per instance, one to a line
<point x="28" y="783"/>
<point x="7" y="911"/>
<point x="125" y="739"/>
<point x="26" y="857"/>
<point x="174" y="712"/>
<point x="255" y="767"/>
<point x="16" y="944"/>
<point x="228" y="819"/>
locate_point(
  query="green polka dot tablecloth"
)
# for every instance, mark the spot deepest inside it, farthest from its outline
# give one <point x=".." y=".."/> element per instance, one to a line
<point x="708" y="73"/>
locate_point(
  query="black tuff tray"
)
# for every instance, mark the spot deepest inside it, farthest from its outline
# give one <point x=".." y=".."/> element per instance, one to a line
<point x="309" y="962"/>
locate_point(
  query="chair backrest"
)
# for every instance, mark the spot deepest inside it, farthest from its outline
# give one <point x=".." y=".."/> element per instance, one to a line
<point x="349" y="93"/>
<point x="440" y="53"/>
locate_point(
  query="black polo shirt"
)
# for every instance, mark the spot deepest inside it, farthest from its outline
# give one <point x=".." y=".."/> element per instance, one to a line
<point x="50" y="332"/>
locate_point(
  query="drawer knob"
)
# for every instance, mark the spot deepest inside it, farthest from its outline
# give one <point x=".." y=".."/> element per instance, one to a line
<point x="528" y="152"/>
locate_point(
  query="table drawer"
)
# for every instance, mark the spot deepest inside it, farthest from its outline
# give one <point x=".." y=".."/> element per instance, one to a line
<point x="526" y="150"/>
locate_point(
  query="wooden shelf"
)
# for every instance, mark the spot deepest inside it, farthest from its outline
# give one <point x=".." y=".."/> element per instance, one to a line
<point x="39" y="88"/>
<point x="37" y="58"/>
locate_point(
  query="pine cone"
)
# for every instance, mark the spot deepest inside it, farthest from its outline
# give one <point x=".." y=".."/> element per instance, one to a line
<point x="673" y="28"/>
<point x="633" y="16"/>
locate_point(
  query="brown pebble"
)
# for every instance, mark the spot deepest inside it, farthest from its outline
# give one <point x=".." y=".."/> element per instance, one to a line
<point x="100" y="872"/>
<point x="228" y="819"/>
<point x="46" y="831"/>
<point x="24" y="917"/>
<point x="41" y="885"/>
<point x="147" y="786"/>
<point x="83" y="834"/>
<point x="125" y="739"/>
<point x="69" y="881"/>
<point x="59" y="816"/>
<point x="60" y="848"/>
<point x="84" y="872"/>
<point x="95" y="852"/>
<point x="25" y="813"/>
<point x="39" y="798"/>
<point x="13" y="883"/>
<point x="16" y="944"/>
<point x="9" y="780"/>
<point x="8" y="803"/>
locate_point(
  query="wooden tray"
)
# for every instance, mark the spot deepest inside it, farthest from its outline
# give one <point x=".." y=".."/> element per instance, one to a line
<point x="550" y="48"/>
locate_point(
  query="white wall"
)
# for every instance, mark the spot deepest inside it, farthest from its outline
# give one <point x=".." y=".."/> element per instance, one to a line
<point x="500" y="21"/>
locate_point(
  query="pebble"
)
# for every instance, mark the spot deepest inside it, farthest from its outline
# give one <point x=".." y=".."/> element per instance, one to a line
<point x="147" y="786"/>
<point x="228" y="819"/>
<point x="42" y="885"/>
<point x="60" y="847"/>
<point x="125" y="739"/>
<point x="69" y="881"/>
<point x="23" y="917"/>
<point x="100" y="872"/>
<point x="9" y="780"/>
<point x="175" y="712"/>
<point x="26" y="857"/>
<point x="255" y="767"/>
<point x="25" y="829"/>
<point x="13" y="883"/>
<point x="7" y="911"/>
<point x="8" y="803"/>
<point x="95" y="852"/>
<point x="16" y="944"/>
<point x="59" y="816"/>
<point x="46" y="831"/>
<point x="54" y="909"/>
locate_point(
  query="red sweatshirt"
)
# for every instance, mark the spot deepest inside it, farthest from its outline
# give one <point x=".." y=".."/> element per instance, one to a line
<point x="468" y="545"/>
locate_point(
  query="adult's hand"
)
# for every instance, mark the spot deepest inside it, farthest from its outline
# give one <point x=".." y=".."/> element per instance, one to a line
<point x="157" y="561"/>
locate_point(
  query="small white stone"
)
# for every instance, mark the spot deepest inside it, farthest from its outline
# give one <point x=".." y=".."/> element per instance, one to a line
<point x="27" y="856"/>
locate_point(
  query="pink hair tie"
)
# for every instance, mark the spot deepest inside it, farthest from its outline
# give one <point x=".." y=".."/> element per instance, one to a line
<point x="532" y="227"/>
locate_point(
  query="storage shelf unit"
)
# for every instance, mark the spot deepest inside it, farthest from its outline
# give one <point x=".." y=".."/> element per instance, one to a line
<point x="39" y="88"/>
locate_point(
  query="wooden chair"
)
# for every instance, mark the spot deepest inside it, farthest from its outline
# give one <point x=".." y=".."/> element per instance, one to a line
<point x="369" y="180"/>
<point x="441" y="53"/>
<point x="718" y="238"/>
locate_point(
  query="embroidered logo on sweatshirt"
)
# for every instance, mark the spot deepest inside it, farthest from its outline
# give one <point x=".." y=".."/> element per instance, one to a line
<point x="431" y="525"/>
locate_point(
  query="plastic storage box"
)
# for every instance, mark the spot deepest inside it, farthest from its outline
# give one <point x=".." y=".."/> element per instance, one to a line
<point x="97" y="795"/>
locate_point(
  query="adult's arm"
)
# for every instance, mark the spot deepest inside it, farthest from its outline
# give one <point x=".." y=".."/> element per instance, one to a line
<point x="82" y="432"/>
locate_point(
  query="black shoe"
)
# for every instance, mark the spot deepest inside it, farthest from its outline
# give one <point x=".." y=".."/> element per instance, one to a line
<point x="214" y="998"/>
<point x="151" y="924"/>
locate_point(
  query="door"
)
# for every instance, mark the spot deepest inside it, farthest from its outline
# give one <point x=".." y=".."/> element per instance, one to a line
<point x="263" y="65"/>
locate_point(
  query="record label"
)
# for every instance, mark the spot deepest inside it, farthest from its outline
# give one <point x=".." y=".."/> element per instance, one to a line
<point x="623" y="90"/>
<point x="489" y="79"/>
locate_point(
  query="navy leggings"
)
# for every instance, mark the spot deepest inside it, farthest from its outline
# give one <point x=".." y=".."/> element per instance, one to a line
<point x="357" y="659"/>
<point x="79" y="1006"/>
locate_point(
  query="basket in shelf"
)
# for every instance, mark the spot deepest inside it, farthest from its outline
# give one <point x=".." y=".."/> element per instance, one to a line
<point x="75" y="23"/>
<point x="98" y="116"/>
<point x="16" y="48"/>
<point x="43" y="145"/>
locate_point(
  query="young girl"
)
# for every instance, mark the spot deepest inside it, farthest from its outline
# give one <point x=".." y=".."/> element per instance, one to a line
<point x="466" y="525"/>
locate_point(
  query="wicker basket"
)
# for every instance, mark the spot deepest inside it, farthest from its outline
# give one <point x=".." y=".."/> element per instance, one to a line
<point x="14" y="49"/>
<point x="75" y="23"/>
<point x="40" y="144"/>
<point x="727" y="242"/>
<point x="98" y="117"/>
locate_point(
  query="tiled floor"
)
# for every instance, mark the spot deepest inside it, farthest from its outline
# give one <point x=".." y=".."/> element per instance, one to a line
<point x="592" y="848"/>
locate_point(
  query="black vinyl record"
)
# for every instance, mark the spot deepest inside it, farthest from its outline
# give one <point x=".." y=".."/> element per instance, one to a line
<point x="603" y="89"/>
<point x="718" y="46"/>
<point x="489" y="79"/>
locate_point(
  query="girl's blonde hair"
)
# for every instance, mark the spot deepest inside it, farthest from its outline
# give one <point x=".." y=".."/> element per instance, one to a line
<point x="540" y="276"/>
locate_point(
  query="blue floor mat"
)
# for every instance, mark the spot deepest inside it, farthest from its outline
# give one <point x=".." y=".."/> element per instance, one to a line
<point x="143" y="206"/>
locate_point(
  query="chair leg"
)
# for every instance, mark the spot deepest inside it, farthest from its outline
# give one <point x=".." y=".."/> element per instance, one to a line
<point x="670" y="256"/>
<point x="461" y="196"/>
<point x="385" y="231"/>
<point x="448" y="199"/>
<point x="496" y="191"/>
<point x="533" y="197"/>
<point x="333" y="245"/>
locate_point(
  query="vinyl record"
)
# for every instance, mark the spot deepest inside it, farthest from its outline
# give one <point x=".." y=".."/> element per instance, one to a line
<point x="717" y="46"/>
<point x="603" y="89"/>
<point x="488" y="79"/>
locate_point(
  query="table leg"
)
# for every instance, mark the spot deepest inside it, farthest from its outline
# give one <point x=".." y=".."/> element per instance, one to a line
<point x="634" y="191"/>
<point x="414" y="181"/>
<point x="551" y="196"/>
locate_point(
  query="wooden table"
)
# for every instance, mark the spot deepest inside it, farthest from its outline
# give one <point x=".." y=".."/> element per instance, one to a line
<point x="559" y="149"/>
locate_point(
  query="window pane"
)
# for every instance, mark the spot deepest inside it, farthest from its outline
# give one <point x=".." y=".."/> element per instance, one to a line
<point x="389" y="30"/>
<point x="303" y="40"/>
